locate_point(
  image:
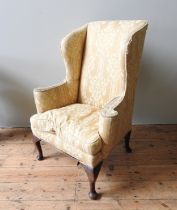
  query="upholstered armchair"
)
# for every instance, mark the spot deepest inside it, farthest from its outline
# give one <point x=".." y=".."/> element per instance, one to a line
<point x="91" y="111"/>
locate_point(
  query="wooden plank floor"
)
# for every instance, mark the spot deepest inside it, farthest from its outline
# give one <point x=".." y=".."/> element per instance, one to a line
<point x="143" y="180"/>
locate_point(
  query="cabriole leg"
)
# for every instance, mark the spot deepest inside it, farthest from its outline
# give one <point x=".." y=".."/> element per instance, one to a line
<point x="92" y="174"/>
<point x="37" y="144"/>
<point x="127" y="142"/>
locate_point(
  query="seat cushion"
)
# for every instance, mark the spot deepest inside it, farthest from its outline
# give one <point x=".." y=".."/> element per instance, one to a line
<point x="75" y="125"/>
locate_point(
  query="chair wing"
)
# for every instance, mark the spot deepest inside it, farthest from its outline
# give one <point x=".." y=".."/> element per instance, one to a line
<point x="72" y="47"/>
<point x="65" y="93"/>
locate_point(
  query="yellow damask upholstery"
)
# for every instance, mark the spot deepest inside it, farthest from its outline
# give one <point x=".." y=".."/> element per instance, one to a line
<point x="66" y="93"/>
<point x="75" y="125"/>
<point x="92" y="110"/>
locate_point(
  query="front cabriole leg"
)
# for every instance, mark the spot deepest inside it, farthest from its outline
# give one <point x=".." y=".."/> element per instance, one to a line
<point x="37" y="144"/>
<point x="92" y="174"/>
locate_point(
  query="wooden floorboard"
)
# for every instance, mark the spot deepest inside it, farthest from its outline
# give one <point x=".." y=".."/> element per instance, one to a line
<point x="143" y="180"/>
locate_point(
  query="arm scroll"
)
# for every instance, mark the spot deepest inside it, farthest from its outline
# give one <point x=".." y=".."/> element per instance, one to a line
<point x="55" y="96"/>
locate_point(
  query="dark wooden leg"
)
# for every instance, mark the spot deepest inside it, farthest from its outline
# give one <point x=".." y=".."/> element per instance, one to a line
<point x="127" y="140"/>
<point x="37" y="144"/>
<point x="92" y="174"/>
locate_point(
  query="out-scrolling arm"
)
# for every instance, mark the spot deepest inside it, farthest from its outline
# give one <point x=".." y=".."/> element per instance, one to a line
<point x="55" y="96"/>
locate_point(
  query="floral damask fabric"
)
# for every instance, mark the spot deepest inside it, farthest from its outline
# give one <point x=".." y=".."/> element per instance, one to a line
<point x="92" y="110"/>
<point x="51" y="138"/>
<point x="103" y="75"/>
<point x="75" y="125"/>
<point x="66" y="93"/>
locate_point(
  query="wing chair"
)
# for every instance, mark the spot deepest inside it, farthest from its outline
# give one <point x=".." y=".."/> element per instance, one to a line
<point x="91" y="111"/>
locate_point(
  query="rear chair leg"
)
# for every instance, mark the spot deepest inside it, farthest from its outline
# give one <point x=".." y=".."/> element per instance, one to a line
<point x="127" y="140"/>
<point x="37" y="144"/>
<point x="92" y="174"/>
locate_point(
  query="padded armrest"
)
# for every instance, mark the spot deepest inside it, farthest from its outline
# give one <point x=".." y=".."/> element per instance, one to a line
<point x="108" y="119"/>
<point x="55" y="96"/>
